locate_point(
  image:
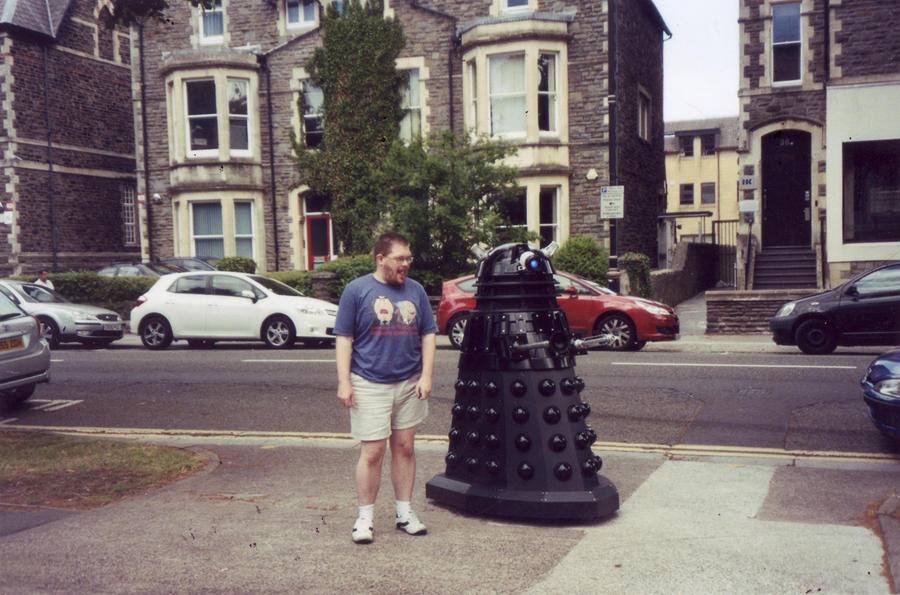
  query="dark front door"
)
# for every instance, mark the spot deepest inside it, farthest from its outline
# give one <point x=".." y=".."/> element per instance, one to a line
<point x="318" y="239"/>
<point x="786" y="207"/>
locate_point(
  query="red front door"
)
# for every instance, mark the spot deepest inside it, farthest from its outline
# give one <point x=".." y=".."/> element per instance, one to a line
<point x="318" y="240"/>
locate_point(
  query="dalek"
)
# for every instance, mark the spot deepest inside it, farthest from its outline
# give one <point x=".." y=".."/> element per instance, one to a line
<point x="519" y="443"/>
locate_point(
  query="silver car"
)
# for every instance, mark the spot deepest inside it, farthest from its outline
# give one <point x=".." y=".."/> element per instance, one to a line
<point x="61" y="320"/>
<point x="24" y="355"/>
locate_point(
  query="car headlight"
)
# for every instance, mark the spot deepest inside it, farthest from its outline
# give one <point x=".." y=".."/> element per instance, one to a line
<point x="785" y="310"/>
<point x="86" y="316"/>
<point x="655" y="310"/>
<point x="889" y="387"/>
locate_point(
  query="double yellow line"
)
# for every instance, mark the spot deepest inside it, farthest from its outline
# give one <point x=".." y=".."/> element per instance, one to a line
<point x="337" y="439"/>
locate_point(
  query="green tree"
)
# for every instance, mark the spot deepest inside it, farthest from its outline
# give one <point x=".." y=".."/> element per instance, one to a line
<point x="355" y="69"/>
<point x="446" y="194"/>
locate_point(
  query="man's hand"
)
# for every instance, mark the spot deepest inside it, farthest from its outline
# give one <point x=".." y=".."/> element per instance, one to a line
<point x="423" y="388"/>
<point x="345" y="394"/>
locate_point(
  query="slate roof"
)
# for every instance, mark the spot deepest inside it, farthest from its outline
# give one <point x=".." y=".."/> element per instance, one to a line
<point x="38" y="16"/>
<point x="725" y="129"/>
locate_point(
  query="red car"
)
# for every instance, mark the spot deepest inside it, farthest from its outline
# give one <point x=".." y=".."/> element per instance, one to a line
<point x="590" y="308"/>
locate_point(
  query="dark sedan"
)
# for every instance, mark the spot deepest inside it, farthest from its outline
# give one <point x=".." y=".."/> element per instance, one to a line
<point x="881" y="392"/>
<point x="863" y="311"/>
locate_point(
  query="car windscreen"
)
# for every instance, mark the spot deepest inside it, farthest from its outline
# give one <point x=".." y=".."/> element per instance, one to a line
<point x="37" y="293"/>
<point x="276" y="287"/>
<point x="8" y="309"/>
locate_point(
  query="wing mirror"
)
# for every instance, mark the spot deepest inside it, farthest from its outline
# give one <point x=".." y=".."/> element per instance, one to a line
<point x="249" y="295"/>
<point x="852" y="291"/>
<point x="571" y="291"/>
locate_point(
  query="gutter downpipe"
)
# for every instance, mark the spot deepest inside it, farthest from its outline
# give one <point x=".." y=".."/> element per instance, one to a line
<point x="50" y="190"/>
<point x="147" y="201"/>
<point x="613" y="121"/>
<point x="264" y="63"/>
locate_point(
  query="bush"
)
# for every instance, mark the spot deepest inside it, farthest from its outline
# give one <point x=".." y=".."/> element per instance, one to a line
<point x="638" y="268"/>
<point x="347" y="269"/>
<point x="583" y="256"/>
<point x="236" y="264"/>
<point x="299" y="280"/>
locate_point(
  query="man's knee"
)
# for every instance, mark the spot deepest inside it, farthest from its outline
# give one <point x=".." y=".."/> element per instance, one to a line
<point x="372" y="453"/>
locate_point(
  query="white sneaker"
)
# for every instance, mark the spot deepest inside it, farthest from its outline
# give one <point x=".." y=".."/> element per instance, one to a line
<point x="363" y="532"/>
<point x="411" y="524"/>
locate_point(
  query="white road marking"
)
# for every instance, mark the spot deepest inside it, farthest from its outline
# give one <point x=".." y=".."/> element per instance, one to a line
<point x="701" y="365"/>
<point x="54" y="404"/>
<point x="8" y="420"/>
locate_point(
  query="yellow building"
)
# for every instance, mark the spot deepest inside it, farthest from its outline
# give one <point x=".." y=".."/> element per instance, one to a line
<point x="701" y="182"/>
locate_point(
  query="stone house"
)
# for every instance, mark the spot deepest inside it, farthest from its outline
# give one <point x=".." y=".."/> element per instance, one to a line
<point x="67" y="168"/>
<point x="576" y="84"/>
<point x="819" y="138"/>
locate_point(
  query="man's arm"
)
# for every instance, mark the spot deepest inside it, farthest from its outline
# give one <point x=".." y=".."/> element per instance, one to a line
<point x="343" y="349"/>
<point x="429" y="346"/>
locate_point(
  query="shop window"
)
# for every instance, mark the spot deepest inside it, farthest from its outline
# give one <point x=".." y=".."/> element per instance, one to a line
<point x="872" y="191"/>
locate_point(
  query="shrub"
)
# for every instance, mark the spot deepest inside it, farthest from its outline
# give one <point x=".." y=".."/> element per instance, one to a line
<point x="347" y="269"/>
<point x="637" y="266"/>
<point x="583" y="256"/>
<point x="299" y="280"/>
<point x="236" y="264"/>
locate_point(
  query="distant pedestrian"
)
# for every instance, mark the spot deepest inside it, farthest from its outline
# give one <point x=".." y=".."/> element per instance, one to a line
<point x="385" y="348"/>
<point x="44" y="280"/>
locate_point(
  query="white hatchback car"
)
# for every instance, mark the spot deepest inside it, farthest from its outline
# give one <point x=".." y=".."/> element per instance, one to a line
<point x="203" y="307"/>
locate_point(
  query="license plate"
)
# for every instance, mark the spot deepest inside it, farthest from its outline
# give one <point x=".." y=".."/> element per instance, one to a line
<point x="112" y="326"/>
<point x="13" y="343"/>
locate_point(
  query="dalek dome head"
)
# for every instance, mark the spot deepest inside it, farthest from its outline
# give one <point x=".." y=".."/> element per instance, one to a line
<point x="516" y="260"/>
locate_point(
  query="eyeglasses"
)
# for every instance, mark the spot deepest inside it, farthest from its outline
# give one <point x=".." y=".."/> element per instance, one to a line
<point x="401" y="259"/>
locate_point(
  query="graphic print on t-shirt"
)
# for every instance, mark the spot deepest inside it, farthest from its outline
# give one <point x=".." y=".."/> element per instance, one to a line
<point x="394" y="319"/>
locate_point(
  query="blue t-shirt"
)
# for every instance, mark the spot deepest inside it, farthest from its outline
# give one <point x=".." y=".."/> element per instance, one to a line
<point x="387" y="323"/>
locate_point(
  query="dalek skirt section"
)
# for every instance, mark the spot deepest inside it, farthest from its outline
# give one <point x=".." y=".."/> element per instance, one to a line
<point x="519" y="442"/>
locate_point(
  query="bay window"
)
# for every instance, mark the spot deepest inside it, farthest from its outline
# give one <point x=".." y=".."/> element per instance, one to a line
<point x="243" y="229"/>
<point x="206" y="230"/>
<point x="205" y="127"/>
<point x="238" y="116"/>
<point x="202" y="120"/>
<point x="549" y="219"/>
<point x="547" y="93"/>
<point x="223" y="227"/>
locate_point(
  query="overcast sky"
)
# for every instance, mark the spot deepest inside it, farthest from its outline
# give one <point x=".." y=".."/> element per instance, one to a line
<point x="700" y="61"/>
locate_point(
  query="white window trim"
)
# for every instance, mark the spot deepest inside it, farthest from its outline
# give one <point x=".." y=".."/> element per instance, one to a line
<point x="302" y="23"/>
<point x="194" y="237"/>
<point x="199" y="153"/>
<point x="211" y="39"/>
<point x="129" y="215"/>
<point x="524" y="93"/>
<point x="644" y="116"/>
<point x="418" y="63"/>
<point x="503" y="7"/>
<point x="224" y="150"/>
<point x="554" y="132"/>
<point x="237" y="235"/>
<point x="249" y="150"/>
<point x="772" y="44"/>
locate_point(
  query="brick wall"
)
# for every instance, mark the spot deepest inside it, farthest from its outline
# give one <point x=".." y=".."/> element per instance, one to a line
<point x="743" y="312"/>
<point x="867" y="42"/>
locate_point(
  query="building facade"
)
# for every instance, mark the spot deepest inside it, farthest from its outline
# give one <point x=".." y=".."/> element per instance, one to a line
<point x="819" y="140"/>
<point x="576" y="85"/>
<point x="701" y="180"/>
<point x="67" y="168"/>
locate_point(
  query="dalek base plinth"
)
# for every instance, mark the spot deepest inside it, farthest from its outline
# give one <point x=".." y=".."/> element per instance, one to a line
<point x="595" y="503"/>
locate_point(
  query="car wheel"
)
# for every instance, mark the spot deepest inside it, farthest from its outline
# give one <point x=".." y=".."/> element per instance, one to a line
<point x="155" y="332"/>
<point x="20" y="394"/>
<point x="815" y="337"/>
<point x="456" y="329"/>
<point x="278" y="332"/>
<point x="50" y="331"/>
<point x="620" y="329"/>
<point x="637" y="346"/>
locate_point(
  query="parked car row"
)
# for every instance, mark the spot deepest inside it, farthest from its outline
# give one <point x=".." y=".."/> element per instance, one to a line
<point x="24" y="355"/>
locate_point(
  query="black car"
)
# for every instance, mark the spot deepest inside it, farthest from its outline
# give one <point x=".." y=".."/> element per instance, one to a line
<point x="881" y="392"/>
<point x="189" y="263"/>
<point x="863" y="311"/>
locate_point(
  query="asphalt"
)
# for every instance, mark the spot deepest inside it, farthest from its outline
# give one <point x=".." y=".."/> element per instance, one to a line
<point x="273" y="514"/>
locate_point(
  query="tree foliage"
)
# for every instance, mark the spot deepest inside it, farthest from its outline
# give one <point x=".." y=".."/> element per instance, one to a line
<point x="583" y="256"/>
<point x="446" y="194"/>
<point x="355" y="69"/>
<point x="135" y="12"/>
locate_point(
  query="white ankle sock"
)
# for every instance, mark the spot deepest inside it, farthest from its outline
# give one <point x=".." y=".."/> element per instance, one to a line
<point x="367" y="511"/>
<point x="403" y="509"/>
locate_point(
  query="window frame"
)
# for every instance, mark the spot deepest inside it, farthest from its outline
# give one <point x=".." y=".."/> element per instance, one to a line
<point x="408" y="108"/>
<point x="553" y="225"/>
<point x="244" y="236"/>
<point x="129" y="215"/>
<point x="644" y="111"/>
<point x="245" y="117"/>
<point x="684" y="191"/>
<point x="217" y="8"/>
<point x="303" y="22"/>
<point x="505" y="7"/>
<point x="305" y="86"/>
<point x="195" y="236"/>
<point x="798" y="42"/>
<point x="551" y="95"/>
<point x="707" y="190"/>
<point x="686" y="146"/>
<point x="508" y="95"/>
<point x="188" y="117"/>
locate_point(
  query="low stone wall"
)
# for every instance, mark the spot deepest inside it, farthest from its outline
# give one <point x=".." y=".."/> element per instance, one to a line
<point x="694" y="271"/>
<point x="745" y="312"/>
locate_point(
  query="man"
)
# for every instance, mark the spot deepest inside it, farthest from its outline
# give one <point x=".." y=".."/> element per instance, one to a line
<point x="44" y="280"/>
<point x="385" y="346"/>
